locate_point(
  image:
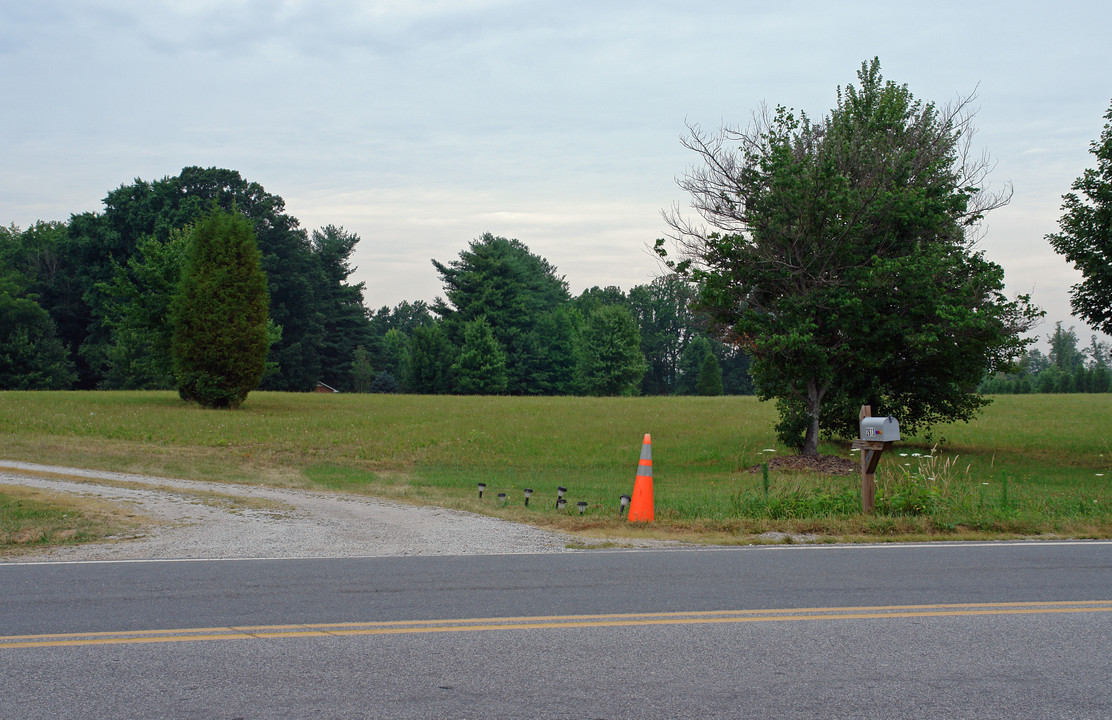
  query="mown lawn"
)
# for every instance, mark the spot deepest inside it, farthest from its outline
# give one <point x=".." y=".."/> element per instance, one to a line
<point x="1029" y="465"/>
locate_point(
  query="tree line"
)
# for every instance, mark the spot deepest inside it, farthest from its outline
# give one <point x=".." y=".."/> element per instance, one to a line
<point x="88" y="304"/>
<point x="508" y="324"/>
<point x="1065" y="368"/>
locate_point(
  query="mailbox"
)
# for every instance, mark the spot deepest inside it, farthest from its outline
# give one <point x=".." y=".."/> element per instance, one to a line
<point x="878" y="429"/>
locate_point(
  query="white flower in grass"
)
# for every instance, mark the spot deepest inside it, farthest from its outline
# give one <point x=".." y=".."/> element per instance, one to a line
<point x="769" y="450"/>
<point x="903" y="454"/>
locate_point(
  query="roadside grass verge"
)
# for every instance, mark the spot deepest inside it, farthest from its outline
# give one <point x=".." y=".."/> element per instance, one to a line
<point x="1034" y="465"/>
<point x="31" y="519"/>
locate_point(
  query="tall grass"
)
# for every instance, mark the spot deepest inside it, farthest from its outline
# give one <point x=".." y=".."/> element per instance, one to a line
<point x="1044" y="458"/>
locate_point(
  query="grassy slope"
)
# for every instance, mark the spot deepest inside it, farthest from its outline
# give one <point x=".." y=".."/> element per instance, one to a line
<point x="1043" y="457"/>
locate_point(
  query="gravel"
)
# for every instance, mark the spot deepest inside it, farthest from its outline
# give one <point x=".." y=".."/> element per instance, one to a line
<point x="267" y="522"/>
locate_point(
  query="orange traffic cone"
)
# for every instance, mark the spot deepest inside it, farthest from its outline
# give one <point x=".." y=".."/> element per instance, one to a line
<point x="641" y="505"/>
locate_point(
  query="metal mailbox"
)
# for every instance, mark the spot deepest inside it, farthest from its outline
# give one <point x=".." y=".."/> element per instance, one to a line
<point x="880" y="429"/>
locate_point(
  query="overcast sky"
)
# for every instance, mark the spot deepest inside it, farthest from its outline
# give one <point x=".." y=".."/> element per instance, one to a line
<point x="421" y="125"/>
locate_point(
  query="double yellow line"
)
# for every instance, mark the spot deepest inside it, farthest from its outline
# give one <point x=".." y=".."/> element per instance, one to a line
<point x="262" y="632"/>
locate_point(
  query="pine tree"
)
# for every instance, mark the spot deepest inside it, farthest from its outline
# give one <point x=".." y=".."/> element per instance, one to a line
<point x="220" y="340"/>
<point x="481" y="366"/>
<point x="610" y="357"/>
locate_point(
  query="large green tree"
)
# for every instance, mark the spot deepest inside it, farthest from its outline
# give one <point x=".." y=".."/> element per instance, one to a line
<point x="609" y="353"/>
<point x="840" y="256"/>
<point x="1085" y="235"/>
<point x="220" y="338"/>
<point x="138" y="304"/>
<point x="31" y="355"/>
<point x="513" y="289"/>
<point x="431" y="355"/>
<point x="667" y="326"/>
<point x="344" y="317"/>
<point x="480" y="368"/>
<point x="96" y="243"/>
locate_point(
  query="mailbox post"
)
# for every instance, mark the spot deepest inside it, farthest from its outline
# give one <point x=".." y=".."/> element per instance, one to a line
<point x="877" y="435"/>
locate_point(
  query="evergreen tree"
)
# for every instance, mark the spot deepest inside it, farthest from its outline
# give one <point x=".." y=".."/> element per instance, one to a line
<point x="480" y="368"/>
<point x="344" y="318"/>
<point x="384" y="382"/>
<point x="220" y="339"/>
<point x="610" y="358"/>
<point x="430" y="361"/>
<point x="513" y="289"/>
<point x="710" y="377"/>
<point x="552" y="346"/>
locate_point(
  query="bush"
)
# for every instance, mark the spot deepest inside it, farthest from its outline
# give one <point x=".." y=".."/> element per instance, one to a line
<point x="220" y="339"/>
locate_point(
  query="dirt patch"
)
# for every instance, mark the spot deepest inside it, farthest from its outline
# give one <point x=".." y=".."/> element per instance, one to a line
<point x="811" y="464"/>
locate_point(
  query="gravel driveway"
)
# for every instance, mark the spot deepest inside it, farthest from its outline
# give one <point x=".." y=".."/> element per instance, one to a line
<point x="213" y="520"/>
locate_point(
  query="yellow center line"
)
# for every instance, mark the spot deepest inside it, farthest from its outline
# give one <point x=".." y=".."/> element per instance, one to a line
<point x="401" y="627"/>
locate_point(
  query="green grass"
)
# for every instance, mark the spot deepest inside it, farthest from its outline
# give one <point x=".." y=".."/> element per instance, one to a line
<point x="1052" y="452"/>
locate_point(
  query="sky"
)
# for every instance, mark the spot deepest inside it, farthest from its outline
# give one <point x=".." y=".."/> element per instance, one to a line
<point x="421" y="125"/>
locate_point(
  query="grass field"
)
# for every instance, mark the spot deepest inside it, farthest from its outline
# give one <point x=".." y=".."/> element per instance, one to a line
<point x="1029" y="465"/>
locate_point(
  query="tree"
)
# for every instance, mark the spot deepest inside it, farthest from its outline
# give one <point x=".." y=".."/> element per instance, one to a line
<point x="710" y="377"/>
<point x="138" y="308"/>
<point x="384" y="382"/>
<point x="480" y="368"/>
<point x="512" y="288"/>
<point x="362" y="374"/>
<point x="395" y="353"/>
<point x="1085" y="234"/>
<point x="1063" y="349"/>
<point x="344" y="318"/>
<point x="31" y="355"/>
<point x="431" y="355"/>
<point x="220" y="339"/>
<point x="690" y="362"/>
<point x="667" y="325"/>
<point x="842" y="258"/>
<point x="298" y="287"/>
<point x="610" y="358"/>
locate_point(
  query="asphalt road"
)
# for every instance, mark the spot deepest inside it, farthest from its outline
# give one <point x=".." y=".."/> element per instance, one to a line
<point x="1000" y="630"/>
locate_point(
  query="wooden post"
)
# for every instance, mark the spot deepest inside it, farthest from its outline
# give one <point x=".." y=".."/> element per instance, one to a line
<point x="868" y="477"/>
<point x="870" y="458"/>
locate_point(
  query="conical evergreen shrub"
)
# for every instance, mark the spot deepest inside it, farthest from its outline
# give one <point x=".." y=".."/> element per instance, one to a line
<point x="220" y="339"/>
